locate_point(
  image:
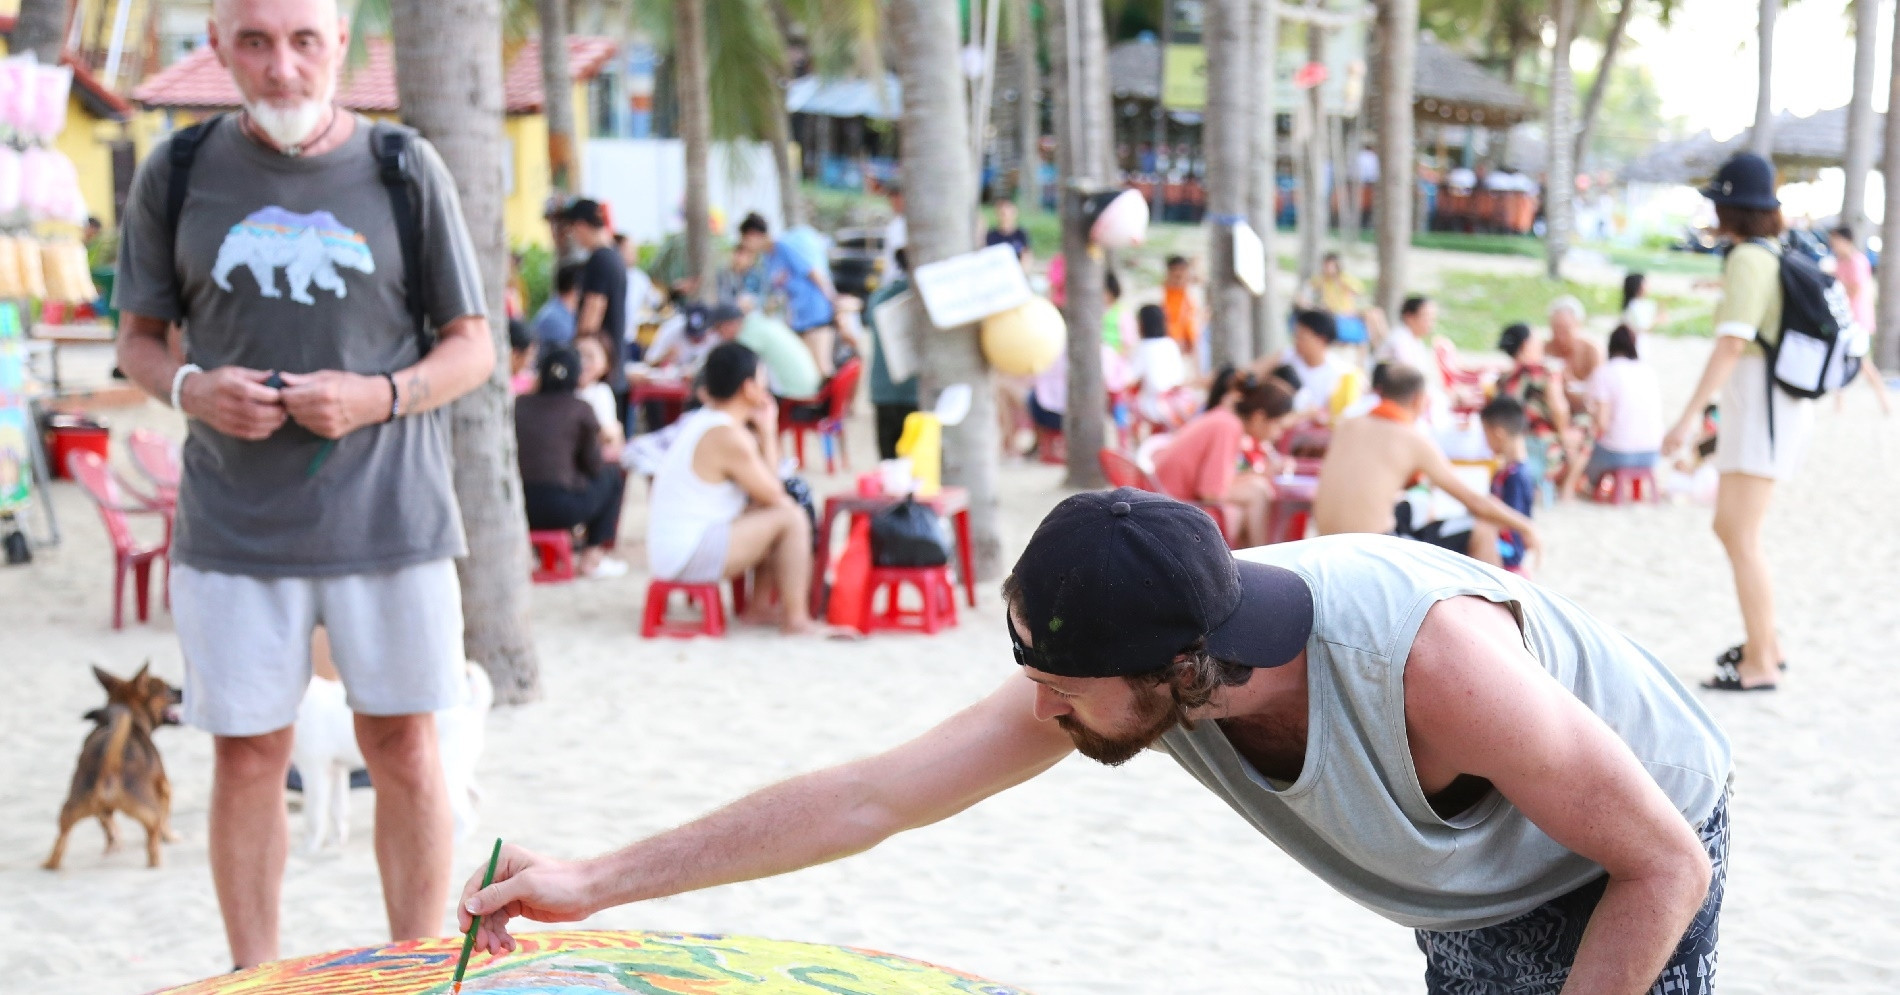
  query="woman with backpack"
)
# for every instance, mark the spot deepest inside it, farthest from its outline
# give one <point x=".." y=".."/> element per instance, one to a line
<point x="1765" y="429"/>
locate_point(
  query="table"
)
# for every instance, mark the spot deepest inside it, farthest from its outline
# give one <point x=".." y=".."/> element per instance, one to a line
<point x="1292" y="499"/>
<point x="951" y="502"/>
<point x="65" y="335"/>
<point x="668" y="392"/>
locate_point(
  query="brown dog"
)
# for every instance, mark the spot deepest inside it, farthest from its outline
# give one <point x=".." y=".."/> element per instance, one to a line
<point x="119" y="766"/>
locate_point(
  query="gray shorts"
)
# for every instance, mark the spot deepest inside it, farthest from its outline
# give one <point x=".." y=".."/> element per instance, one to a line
<point x="395" y="636"/>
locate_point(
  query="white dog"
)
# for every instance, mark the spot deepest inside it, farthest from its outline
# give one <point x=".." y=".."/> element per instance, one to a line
<point x="326" y="752"/>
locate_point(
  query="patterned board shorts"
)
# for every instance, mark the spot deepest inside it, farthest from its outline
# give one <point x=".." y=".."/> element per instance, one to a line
<point x="1531" y="954"/>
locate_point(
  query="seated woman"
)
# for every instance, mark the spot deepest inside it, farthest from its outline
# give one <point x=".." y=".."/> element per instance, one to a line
<point x="718" y="508"/>
<point x="564" y="480"/>
<point x="1553" y="437"/>
<point x="1202" y="460"/>
<point x="1626" y="406"/>
<point x="599" y="396"/>
<point x="1160" y="372"/>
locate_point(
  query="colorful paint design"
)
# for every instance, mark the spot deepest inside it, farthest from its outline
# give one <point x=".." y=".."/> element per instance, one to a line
<point x="16" y="463"/>
<point x="585" y="962"/>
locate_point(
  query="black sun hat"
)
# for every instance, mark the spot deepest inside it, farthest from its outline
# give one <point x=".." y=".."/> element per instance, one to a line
<point x="1747" y="181"/>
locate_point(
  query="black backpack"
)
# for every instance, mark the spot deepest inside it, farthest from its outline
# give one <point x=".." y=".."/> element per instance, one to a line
<point x="392" y="145"/>
<point x="1812" y="354"/>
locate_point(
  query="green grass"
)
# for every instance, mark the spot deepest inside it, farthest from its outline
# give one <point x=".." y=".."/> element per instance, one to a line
<point x="1665" y="261"/>
<point x="1474" y="307"/>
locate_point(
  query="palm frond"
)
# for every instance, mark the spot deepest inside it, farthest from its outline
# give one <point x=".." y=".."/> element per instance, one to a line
<point x="744" y="56"/>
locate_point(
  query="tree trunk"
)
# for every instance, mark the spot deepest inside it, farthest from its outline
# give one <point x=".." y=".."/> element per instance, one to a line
<point x="779" y="122"/>
<point x="1887" y="321"/>
<point x="1028" y="109"/>
<point x="1228" y="127"/>
<point x="1761" y="140"/>
<point x="1083" y="144"/>
<point x="695" y="128"/>
<point x="557" y="97"/>
<point x="40" y="28"/>
<point x="1560" y="187"/>
<point x="1313" y="200"/>
<point x="935" y="156"/>
<point x="1593" y="102"/>
<point x="1263" y="187"/>
<point x="1398" y="51"/>
<point x="448" y="79"/>
<point x="1860" y="119"/>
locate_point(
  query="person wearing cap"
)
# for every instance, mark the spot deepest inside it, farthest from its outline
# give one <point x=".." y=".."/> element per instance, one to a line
<point x="1446" y="744"/>
<point x="685" y="338"/>
<point x="603" y="289"/>
<point x="1765" y="431"/>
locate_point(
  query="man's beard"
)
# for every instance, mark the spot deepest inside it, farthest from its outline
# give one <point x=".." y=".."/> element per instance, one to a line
<point x="287" y="125"/>
<point x="1155" y="714"/>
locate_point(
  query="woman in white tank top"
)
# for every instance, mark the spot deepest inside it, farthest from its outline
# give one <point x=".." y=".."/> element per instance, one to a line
<point x="718" y="509"/>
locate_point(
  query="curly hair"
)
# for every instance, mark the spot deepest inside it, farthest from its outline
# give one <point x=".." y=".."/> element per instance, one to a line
<point x="1192" y="679"/>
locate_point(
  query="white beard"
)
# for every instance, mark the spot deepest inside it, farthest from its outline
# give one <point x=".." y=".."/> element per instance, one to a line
<point x="287" y="125"/>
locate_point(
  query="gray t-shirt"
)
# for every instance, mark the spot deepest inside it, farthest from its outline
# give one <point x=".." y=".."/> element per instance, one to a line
<point x="295" y="265"/>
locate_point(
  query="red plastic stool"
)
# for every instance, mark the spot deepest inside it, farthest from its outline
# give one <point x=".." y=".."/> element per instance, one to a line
<point x="1632" y="484"/>
<point x="712" y="610"/>
<point x="933" y="587"/>
<point x="553" y="555"/>
<point x="1051" y="446"/>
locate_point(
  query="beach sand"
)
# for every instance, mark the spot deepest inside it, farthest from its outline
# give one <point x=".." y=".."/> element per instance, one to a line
<point x="1088" y="881"/>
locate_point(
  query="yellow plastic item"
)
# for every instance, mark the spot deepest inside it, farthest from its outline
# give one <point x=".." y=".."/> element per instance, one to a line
<point x="1024" y="340"/>
<point x="1346" y="392"/>
<point x="922" y="442"/>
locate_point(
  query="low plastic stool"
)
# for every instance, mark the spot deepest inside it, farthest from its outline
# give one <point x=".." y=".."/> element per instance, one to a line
<point x="932" y="584"/>
<point x="553" y="555"/>
<point x="1632" y="484"/>
<point x="712" y="611"/>
<point x="1051" y="446"/>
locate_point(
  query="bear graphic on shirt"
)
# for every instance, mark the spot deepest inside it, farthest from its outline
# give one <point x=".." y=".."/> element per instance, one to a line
<point x="308" y="247"/>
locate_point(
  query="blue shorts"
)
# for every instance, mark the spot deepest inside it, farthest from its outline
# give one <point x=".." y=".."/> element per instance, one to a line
<point x="1532" y="954"/>
<point x="1603" y="460"/>
<point x="1351" y="327"/>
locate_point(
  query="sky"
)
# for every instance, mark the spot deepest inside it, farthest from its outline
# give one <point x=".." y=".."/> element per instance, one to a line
<point x="1704" y="61"/>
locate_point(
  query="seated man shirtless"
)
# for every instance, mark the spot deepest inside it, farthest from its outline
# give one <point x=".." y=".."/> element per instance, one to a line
<point x="1374" y="458"/>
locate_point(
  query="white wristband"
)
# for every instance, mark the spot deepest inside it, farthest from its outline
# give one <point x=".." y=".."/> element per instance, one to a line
<point x="178" y="382"/>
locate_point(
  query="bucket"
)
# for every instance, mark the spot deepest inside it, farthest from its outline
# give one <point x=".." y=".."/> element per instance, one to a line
<point x="68" y="435"/>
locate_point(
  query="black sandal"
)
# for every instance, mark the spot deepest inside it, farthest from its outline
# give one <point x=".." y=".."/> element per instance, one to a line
<point x="1727" y="678"/>
<point x="1732" y="657"/>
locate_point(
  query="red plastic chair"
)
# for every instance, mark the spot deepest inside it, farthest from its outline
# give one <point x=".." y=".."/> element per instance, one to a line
<point x="111" y="499"/>
<point x="553" y="555"/>
<point x="938" y="597"/>
<point x="836" y="396"/>
<point x="1052" y="447"/>
<point x="157" y="460"/>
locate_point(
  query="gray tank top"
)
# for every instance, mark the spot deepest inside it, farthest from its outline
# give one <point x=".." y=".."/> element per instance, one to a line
<point x="1357" y="816"/>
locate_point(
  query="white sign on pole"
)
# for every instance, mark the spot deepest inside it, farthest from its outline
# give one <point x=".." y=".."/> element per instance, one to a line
<point x="1250" y="259"/>
<point x="970" y="287"/>
<point x="897" y="321"/>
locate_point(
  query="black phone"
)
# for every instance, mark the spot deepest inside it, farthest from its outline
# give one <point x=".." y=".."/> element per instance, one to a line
<point x="275" y="382"/>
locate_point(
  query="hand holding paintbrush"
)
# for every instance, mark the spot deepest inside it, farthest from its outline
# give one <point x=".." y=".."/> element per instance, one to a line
<point x="531" y="887"/>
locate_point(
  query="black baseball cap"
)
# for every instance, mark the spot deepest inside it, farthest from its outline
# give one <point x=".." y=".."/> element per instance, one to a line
<point x="1747" y="181"/>
<point x="585" y="211"/>
<point x="1119" y="582"/>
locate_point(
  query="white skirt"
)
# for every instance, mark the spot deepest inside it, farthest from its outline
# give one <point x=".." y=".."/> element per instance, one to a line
<point x="1743" y="445"/>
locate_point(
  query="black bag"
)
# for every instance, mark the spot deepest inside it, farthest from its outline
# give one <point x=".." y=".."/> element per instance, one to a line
<point x="908" y="535"/>
<point x="1811" y="355"/>
<point x="801" y="492"/>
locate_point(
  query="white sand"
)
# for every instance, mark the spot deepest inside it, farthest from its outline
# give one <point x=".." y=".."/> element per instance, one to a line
<point x="1087" y="881"/>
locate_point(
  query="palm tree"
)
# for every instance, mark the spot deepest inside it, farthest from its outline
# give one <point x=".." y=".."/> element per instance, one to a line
<point x="1888" y="319"/>
<point x="1397" y="27"/>
<point x="1263" y="186"/>
<point x="1028" y="107"/>
<point x="1229" y="119"/>
<point x="448" y="79"/>
<point x="694" y="86"/>
<point x="556" y="83"/>
<point x="1593" y="101"/>
<point x="936" y="157"/>
<point x="1860" y="118"/>
<point x="1083" y="142"/>
<point x="40" y="28"/>
<point x="1561" y="185"/>
<point x="1761" y="140"/>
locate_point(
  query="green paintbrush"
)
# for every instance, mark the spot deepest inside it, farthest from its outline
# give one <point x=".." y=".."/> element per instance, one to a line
<point x="475" y="922"/>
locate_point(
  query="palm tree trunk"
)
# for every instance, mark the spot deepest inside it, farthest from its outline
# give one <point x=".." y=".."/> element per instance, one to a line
<point x="1887" y="321"/>
<point x="1560" y="186"/>
<point x="1860" y="118"/>
<point x="1313" y="206"/>
<point x="557" y="97"/>
<point x="779" y="123"/>
<point x="1229" y="121"/>
<point x="935" y="156"/>
<point x="1083" y="143"/>
<point x="1028" y="109"/>
<point x="1593" y="102"/>
<point x="695" y="128"/>
<point x="1761" y="140"/>
<point x="1263" y="187"/>
<point x="1398" y="52"/>
<point x="40" y="28"/>
<point x="448" y="79"/>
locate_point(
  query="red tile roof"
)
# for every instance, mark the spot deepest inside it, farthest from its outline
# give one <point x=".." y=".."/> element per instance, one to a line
<point x="198" y="81"/>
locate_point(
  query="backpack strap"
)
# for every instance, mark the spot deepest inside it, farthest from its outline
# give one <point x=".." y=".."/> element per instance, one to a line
<point x="394" y="147"/>
<point x="183" y="151"/>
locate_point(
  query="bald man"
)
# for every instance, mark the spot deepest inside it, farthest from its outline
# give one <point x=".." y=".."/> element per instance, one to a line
<point x="310" y="397"/>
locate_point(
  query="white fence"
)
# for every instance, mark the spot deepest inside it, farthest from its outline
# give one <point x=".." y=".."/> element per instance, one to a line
<point x="643" y="181"/>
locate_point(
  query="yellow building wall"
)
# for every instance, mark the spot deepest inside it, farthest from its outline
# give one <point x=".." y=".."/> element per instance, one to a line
<point x="527" y="136"/>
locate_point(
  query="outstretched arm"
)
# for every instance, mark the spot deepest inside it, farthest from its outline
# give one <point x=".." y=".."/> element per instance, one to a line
<point x="1439" y="471"/>
<point x="1477" y="703"/>
<point x="994" y="744"/>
